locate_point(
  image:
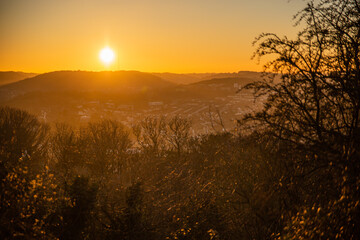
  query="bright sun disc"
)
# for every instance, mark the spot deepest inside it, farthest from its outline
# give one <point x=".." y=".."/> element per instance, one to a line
<point x="107" y="55"/>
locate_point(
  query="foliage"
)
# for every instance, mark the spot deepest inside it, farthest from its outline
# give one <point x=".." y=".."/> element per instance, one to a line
<point x="28" y="203"/>
<point x="314" y="106"/>
<point x="21" y="134"/>
<point x="82" y="195"/>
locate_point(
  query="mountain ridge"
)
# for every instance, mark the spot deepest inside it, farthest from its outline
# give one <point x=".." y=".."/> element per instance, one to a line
<point x="7" y="77"/>
<point x="87" y="81"/>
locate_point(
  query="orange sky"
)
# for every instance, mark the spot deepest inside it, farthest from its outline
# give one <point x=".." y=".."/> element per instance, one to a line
<point x="147" y="35"/>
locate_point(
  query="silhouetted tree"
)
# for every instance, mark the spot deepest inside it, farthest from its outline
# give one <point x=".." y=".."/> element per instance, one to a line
<point x="150" y="133"/>
<point x="77" y="217"/>
<point x="66" y="149"/>
<point x="28" y="194"/>
<point x="178" y="133"/>
<point x="105" y="146"/>
<point x="21" y="134"/>
<point x="314" y="106"/>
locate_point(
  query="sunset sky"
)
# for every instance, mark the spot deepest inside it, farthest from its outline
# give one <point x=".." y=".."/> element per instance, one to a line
<point x="146" y="35"/>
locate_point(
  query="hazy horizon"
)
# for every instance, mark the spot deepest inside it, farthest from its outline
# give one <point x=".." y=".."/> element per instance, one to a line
<point x="127" y="70"/>
<point x="156" y="36"/>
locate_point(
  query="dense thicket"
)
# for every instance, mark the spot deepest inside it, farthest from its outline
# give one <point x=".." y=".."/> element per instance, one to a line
<point x="96" y="181"/>
<point x="217" y="186"/>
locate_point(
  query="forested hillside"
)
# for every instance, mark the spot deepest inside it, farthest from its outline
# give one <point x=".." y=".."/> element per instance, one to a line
<point x="10" y="77"/>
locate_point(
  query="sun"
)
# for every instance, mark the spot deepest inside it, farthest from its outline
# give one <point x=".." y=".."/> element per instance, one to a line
<point x="107" y="55"/>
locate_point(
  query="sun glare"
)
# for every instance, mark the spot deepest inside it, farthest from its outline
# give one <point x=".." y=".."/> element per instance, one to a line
<point x="107" y="55"/>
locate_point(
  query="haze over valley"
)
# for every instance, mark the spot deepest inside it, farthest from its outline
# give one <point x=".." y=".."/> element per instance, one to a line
<point x="77" y="97"/>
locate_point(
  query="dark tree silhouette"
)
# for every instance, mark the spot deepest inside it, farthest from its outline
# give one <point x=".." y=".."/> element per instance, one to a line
<point x="318" y="96"/>
<point x="150" y="134"/>
<point x="177" y="133"/>
<point x="105" y="144"/>
<point x="314" y="106"/>
<point x="21" y="134"/>
<point x="65" y="150"/>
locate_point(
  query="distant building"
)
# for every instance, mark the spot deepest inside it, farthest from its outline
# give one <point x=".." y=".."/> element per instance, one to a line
<point x="94" y="102"/>
<point x="125" y="107"/>
<point x="155" y="103"/>
<point x="110" y="104"/>
<point x="84" y="118"/>
<point x="43" y="115"/>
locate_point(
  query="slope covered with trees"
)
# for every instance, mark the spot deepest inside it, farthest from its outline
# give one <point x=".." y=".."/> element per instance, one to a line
<point x="10" y="77"/>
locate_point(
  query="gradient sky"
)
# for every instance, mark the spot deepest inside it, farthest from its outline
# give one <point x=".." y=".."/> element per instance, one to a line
<point x="147" y="35"/>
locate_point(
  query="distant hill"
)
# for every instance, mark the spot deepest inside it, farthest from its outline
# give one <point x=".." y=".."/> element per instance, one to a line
<point x="215" y="87"/>
<point x="83" y="81"/>
<point x="183" y="78"/>
<point x="10" y="77"/>
<point x="190" y="78"/>
<point x="177" y="78"/>
<point x="239" y="75"/>
<point x="68" y="95"/>
<point x="207" y="89"/>
<point x="230" y="80"/>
